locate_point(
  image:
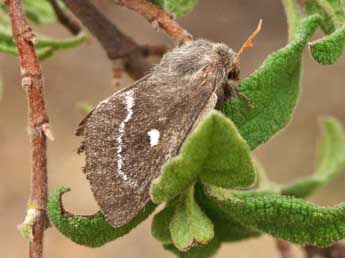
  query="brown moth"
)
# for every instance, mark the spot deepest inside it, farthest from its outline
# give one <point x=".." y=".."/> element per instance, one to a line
<point x="130" y="135"/>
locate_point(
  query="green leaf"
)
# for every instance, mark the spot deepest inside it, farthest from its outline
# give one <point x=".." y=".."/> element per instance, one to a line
<point x="196" y="252"/>
<point x="312" y="7"/>
<point x="335" y="9"/>
<point x="45" y="47"/>
<point x="284" y="217"/>
<point x="38" y="11"/>
<point x="293" y="15"/>
<point x="214" y="152"/>
<point x="91" y="231"/>
<point x="262" y="182"/>
<point x="329" y="49"/>
<point x="189" y="226"/>
<point x="56" y="44"/>
<point x="226" y="228"/>
<point x="273" y="89"/>
<point x="330" y="162"/>
<point x="178" y="7"/>
<point x="161" y="221"/>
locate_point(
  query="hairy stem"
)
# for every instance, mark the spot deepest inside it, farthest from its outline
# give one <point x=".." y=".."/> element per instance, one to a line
<point x="293" y="14"/>
<point x="38" y="124"/>
<point x="337" y="19"/>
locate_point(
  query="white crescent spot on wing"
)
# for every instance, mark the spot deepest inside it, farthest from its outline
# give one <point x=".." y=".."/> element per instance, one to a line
<point x="154" y="135"/>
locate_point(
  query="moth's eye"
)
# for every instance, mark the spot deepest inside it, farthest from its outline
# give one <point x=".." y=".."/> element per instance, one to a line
<point x="234" y="74"/>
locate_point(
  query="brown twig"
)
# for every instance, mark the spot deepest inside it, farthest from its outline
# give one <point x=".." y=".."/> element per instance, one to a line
<point x="66" y="20"/>
<point x="117" y="45"/>
<point x="158" y="17"/>
<point x="284" y="248"/>
<point x="38" y="125"/>
<point x="156" y="50"/>
<point x="334" y="251"/>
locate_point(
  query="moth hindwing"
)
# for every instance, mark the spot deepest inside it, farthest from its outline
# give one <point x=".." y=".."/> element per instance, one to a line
<point x="130" y="135"/>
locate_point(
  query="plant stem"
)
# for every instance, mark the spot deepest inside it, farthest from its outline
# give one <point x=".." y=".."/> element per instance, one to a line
<point x="72" y="25"/>
<point x="330" y="10"/>
<point x="38" y="124"/>
<point x="334" y="251"/>
<point x="293" y="15"/>
<point x="117" y="45"/>
<point x="284" y="248"/>
<point x="158" y="17"/>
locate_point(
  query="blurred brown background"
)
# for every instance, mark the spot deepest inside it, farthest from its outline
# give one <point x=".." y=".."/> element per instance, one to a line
<point x="84" y="74"/>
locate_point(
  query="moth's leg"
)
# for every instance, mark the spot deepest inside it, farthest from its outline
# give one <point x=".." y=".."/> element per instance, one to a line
<point x="231" y="91"/>
<point x="224" y="93"/>
<point x="81" y="148"/>
<point x="82" y="124"/>
<point x="244" y="96"/>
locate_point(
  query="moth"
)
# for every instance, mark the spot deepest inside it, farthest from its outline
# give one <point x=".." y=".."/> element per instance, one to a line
<point x="130" y="135"/>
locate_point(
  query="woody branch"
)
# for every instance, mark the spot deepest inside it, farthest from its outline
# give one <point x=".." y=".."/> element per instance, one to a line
<point x="38" y="125"/>
<point x="117" y="45"/>
<point x="120" y="48"/>
<point x="284" y="248"/>
<point x="158" y="17"/>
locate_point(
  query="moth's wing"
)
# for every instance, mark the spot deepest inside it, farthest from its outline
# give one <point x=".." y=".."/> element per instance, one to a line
<point x="121" y="157"/>
<point x="82" y="124"/>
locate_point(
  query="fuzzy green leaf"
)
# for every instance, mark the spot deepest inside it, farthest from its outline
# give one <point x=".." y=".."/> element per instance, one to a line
<point x="331" y="161"/>
<point x="91" y="231"/>
<point x="226" y="228"/>
<point x="45" y="47"/>
<point x="273" y="89"/>
<point x="214" y="152"/>
<point x="189" y="226"/>
<point x="293" y="16"/>
<point x="197" y="251"/>
<point x="161" y="221"/>
<point x="335" y="9"/>
<point x="312" y="7"/>
<point x="284" y="217"/>
<point x="177" y="7"/>
<point x="329" y="49"/>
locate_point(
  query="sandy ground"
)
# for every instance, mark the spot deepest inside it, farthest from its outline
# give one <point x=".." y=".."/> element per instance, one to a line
<point x="85" y="74"/>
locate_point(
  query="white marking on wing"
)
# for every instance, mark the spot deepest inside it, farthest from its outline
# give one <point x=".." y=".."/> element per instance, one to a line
<point x="129" y="102"/>
<point x="154" y="137"/>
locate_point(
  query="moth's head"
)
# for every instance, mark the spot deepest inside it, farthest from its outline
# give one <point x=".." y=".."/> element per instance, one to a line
<point x="189" y="61"/>
<point x="228" y="59"/>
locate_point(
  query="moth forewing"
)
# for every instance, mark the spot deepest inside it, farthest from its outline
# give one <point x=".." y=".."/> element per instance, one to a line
<point x="130" y="136"/>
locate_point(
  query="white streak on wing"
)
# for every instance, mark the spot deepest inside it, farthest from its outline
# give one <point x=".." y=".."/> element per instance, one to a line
<point x="129" y="102"/>
<point x="154" y="137"/>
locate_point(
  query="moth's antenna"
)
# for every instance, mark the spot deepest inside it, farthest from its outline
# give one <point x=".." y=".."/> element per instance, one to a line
<point x="248" y="42"/>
